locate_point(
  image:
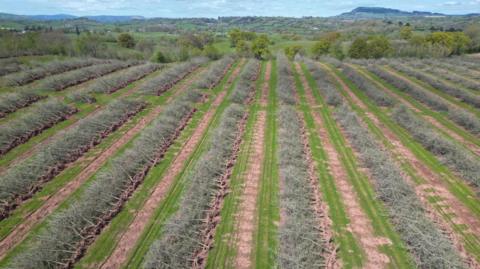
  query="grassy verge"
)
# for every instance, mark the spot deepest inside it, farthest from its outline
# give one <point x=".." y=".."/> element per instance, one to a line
<point x="349" y="251"/>
<point x="223" y="253"/>
<point x="470" y="240"/>
<point x="268" y="213"/>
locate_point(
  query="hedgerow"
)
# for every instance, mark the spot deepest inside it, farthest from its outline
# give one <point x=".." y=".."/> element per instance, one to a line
<point x="71" y="230"/>
<point x="33" y="122"/>
<point x="285" y="85"/>
<point x="449" y="72"/>
<point x="246" y="83"/>
<point x="463" y="95"/>
<point x="65" y="80"/>
<point x="171" y="76"/>
<point x="10" y="102"/>
<point x="213" y="76"/>
<point x="370" y="89"/>
<point x="301" y="244"/>
<point x="325" y="83"/>
<point x="451" y="154"/>
<point x="23" y="179"/>
<point x="48" y="69"/>
<point x="457" y="115"/>
<point x="424" y="240"/>
<point x="113" y="82"/>
<point x="182" y="236"/>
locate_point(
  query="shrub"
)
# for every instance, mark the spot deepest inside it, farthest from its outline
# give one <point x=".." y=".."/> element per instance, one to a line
<point x="285" y="85"/>
<point x="63" y="81"/>
<point x="126" y="40"/>
<point x="48" y="69"/>
<point x="245" y="86"/>
<point x="424" y="240"/>
<point x="215" y="73"/>
<point x="325" y="83"/>
<point x="33" y="122"/>
<point x="301" y="243"/>
<point x="182" y="232"/>
<point x="452" y="155"/>
<point x="463" y="95"/>
<point x="370" y="89"/>
<point x="170" y="77"/>
<point x="26" y="177"/>
<point x="10" y="102"/>
<point x="65" y="236"/>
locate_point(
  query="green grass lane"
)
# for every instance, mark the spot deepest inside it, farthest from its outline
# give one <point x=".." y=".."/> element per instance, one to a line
<point x="169" y="205"/>
<point x="222" y="254"/>
<point x="349" y="250"/>
<point x="265" y="238"/>
<point x="397" y="252"/>
<point x="470" y="240"/>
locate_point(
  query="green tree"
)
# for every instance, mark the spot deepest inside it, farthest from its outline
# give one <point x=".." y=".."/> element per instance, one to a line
<point x="242" y="48"/>
<point x="337" y="51"/>
<point x="359" y="48"/>
<point x="378" y="47"/>
<point x="89" y="44"/>
<point x="461" y="42"/>
<point x="291" y="51"/>
<point x="406" y="32"/>
<point x="473" y="32"/>
<point x="235" y="35"/>
<point x="159" y="57"/>
<point x="321" y="48"/>
<point x="260" y="47"/>
<point x="126" y="40"/>
<point x="212" y="52"/>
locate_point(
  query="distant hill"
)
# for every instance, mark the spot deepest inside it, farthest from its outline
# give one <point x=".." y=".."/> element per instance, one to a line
<point x="63" y="17"/>
<point x="381" y="12"/>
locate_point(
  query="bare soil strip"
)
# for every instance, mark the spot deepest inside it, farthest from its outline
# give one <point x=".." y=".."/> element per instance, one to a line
<point x="52" y="202"/>
<point x="130" y="236"/>
<point x="474" y="148"/>
<point x="459" y="214"/>
<point x="360" y="224"/>
<point x="246" y="219"/>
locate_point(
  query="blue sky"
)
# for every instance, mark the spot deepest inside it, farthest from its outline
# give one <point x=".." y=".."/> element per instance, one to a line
<point x="215" y="8"/>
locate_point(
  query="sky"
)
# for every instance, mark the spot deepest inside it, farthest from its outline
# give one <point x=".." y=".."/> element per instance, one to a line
<point x="215" y="8"/>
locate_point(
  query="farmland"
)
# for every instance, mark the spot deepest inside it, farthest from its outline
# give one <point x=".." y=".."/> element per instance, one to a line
<point x="240" y="162"/>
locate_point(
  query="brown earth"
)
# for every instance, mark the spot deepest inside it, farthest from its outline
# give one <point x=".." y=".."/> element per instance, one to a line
<point x="52" y="202"/>
<point x="360" y="224"/>
<point x="130" y="236"/>
<point x="433" y="187"/>
<point x="247" y="209"/>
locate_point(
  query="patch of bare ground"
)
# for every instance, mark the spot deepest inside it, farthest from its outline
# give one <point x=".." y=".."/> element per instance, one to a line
<point x="246" y="219"/>
<point x="433" y="186"/>
<point x="266" y="86"/>
<point x="53" y="201"/>
<point x="360" y="224"/>
<point x="131" y="235"/>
